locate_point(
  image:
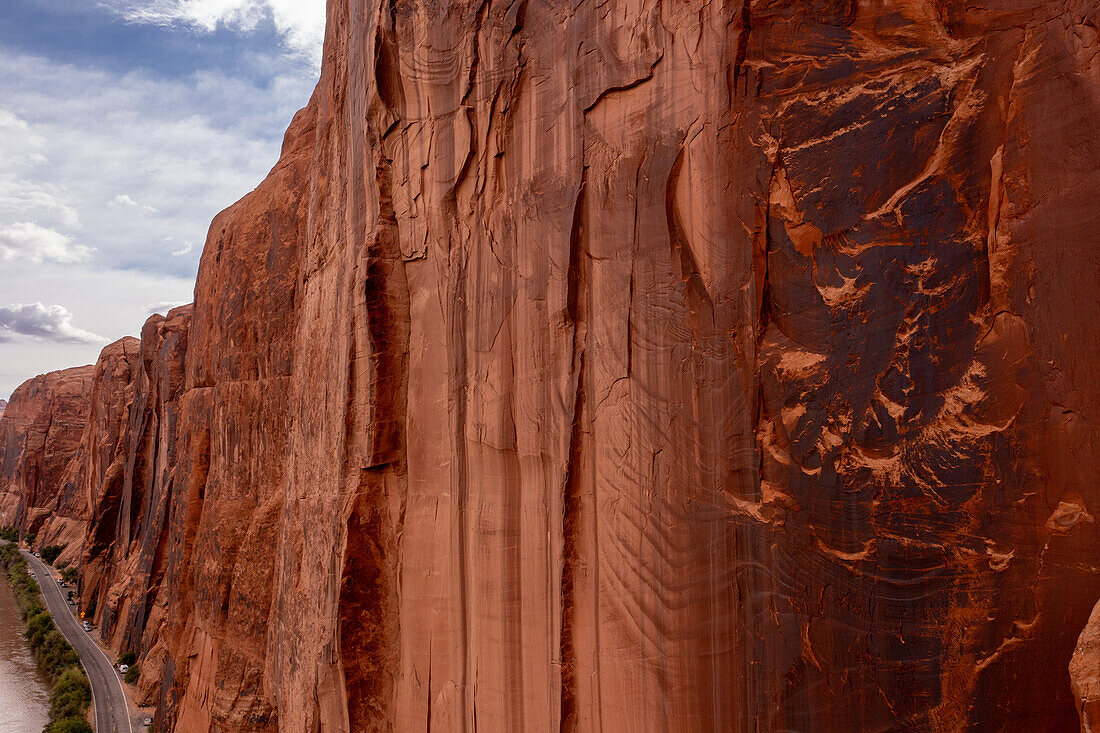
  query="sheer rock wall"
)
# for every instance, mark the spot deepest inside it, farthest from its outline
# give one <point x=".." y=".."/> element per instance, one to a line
<point x="639" y="366"/>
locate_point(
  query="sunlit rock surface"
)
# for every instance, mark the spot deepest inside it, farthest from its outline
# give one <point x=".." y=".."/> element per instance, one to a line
<point x="635" y="366"/>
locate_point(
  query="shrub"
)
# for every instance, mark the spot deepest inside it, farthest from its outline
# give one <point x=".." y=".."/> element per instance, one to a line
<point x="132" y="675"/>
<point x="38" y="626"/>
<point x="70" y="575"/>
<point x="9" y="533"/>
<point x="29" y="538"/>
<point x="71" y="695"/>
<point x="126" y="658"/>
<point x="70" y="725"/>
<point x="50" y="552"/>
<point x="55" y="654"/>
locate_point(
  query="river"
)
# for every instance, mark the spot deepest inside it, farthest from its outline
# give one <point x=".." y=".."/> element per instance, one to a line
<point x="24" y="693"/>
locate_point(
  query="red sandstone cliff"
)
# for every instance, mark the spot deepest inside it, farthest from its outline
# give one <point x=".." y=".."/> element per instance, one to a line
<point x="634" y="366"/>
<point x="40" y="432"/>
<point x="94" y="463"/>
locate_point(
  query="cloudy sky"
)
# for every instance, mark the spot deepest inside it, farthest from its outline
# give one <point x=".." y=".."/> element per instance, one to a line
<point x="125" y="126"/>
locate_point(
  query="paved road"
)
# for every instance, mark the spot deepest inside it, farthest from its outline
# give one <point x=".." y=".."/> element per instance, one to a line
<point x="112" y="714"/>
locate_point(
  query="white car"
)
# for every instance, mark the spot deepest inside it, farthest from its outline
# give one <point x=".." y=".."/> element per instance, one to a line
<point x="124" y="668"/>
<point x="87" y="626"/>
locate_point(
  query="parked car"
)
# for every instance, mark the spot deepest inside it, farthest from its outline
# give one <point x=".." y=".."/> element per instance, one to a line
<point x="87" y="626"/>
<point x="147" y="722"/>
<point x="124" y="668"/>
<point x="38" y="554"/>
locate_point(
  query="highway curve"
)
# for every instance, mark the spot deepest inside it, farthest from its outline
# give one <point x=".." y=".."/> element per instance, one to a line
<point x="112" y="713"/>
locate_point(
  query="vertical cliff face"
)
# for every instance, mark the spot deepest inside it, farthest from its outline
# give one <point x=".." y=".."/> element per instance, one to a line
<point x="703" y="366"/>
<point x="637" y="365"/>
<point x="39" y="434"/>
<point x="232" y="448"/>
<point x="95" y="466"/>
<point x="109" y="505"/>
<point x="125" y="550"/>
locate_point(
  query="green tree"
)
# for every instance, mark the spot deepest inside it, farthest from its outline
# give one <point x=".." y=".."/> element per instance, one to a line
<point x="132" y="675"/>
<point x="50" y="552"/>
<point x="71" y="695"/>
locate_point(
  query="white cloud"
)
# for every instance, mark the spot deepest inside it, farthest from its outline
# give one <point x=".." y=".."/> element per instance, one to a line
<point x="301" y="23"/>
<point x="23" y="194"/>
<point x="124" y="201"/>
<point x="75" y="137"/>
<point x="165" y="306"/>
<point x="46" y="322"/>
<point x="171" y="152"/>
<point x="29" y="241"/>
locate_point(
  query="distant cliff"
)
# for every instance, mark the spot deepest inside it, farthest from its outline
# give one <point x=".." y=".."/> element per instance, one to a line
<point x="620" y="366"/>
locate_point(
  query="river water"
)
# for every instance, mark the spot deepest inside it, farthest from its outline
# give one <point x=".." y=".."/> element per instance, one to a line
<point x="24" y="694"/>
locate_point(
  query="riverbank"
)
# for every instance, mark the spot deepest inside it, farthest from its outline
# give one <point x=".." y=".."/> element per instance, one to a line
<point x="24" y="690"/>
<point x="71" y="694"/>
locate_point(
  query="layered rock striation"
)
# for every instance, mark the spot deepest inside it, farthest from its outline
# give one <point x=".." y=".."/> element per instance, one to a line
<point x="640" y="365"/>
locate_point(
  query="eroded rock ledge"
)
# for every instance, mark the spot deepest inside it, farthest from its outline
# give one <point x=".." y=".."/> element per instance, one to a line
<point x="620" y="366"/>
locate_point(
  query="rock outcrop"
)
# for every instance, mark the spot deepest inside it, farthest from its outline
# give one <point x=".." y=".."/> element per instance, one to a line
<point x="39" y="433"/>
<point x="632" y="366"/>
<point x="3" y="406"/>
<point x="1084" y="673"/>
<point x="94" y="464"/>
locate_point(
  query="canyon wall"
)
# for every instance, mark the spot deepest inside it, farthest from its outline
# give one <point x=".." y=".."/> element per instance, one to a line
<point x="40" y="432"/>
<point x="635" y="365"/>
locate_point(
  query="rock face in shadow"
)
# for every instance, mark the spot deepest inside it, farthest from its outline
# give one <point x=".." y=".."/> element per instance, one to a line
<point x="633" y="366"/>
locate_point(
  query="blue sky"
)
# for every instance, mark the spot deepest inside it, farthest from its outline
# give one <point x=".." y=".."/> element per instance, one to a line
<point x="125" y="126"/>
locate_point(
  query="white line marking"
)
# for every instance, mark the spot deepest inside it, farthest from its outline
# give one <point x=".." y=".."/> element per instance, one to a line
<point x="125" y="702"/>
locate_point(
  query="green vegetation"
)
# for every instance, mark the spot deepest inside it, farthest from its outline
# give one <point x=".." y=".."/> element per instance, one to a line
<point x="126" y="658"/>
<point x="71" y="694"/>
<point x="69" y="725"/>
<point x="11" y="534"/>
<point x="132" y="675"/>
<point x="29" y="538"/>
<point x="70" y="575"/>
<point x="50" y="552"/>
